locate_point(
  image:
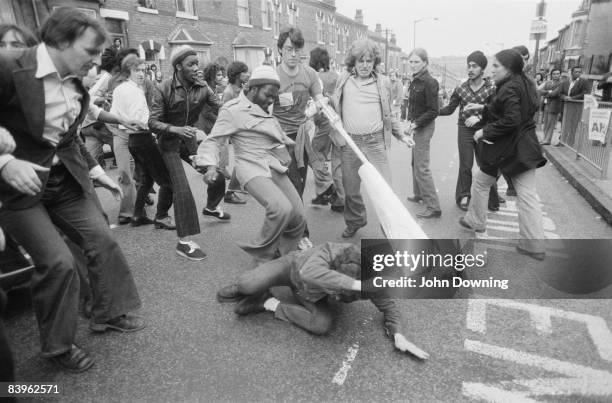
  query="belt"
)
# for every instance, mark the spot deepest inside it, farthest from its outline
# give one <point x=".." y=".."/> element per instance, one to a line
<point x="366" y="134"/>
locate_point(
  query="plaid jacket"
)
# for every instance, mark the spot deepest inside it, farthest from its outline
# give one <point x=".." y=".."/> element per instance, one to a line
<point x="463" y="95"/>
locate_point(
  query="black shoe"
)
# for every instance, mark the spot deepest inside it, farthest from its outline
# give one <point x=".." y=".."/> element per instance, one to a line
<point x="337" y="209"/>
<point x="74" y="360"/>
<point x="320" y="200"/>
<point x="493" y="208"/>
<point x="138" y="221"/>
<point x="229" y="293"/>
<point x="217" y="213"/>
<point x="465" y="225"/>
<point x="510" y="192"/>
<point x="124" y="220"/>
<point x="535" y="255"/>
<point x="429" y="213"/>
<point x="149" y="200"/>
<point x="414" y="199"/>
<point x="252" y="304"/>
<point x="501" y="200"/>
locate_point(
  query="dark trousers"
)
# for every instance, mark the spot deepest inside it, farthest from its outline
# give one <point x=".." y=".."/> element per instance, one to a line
<point x="147" y="156"/>
<point x="7" y="366"/>
<point x="54" y="284"/>
<point x="297" y="176"/>
<point x="185" y="212"/>
<point x="466" y="146"/>
<point x="315" y="317"/>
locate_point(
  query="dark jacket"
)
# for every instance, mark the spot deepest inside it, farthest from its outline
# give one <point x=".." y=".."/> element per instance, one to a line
<point x="22" y="113"/>
<point x="579" y="89"/>
<point x="510" y="126"/>
<point x="423" y="104"/>
<point x="552" y="93"/>
<point x="175" y="105"/>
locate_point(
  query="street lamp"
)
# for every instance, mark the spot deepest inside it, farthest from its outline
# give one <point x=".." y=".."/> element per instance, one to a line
<point x="414" y="24"/>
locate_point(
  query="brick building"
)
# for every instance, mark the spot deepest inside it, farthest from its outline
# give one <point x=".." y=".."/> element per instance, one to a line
<point x="219" y="30"/>
<point x="586" y="41"/>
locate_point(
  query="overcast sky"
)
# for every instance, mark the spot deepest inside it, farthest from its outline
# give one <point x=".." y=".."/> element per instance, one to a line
<point x="463" y="25"/>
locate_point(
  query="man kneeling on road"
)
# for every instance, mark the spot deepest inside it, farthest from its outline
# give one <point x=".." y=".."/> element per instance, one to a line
<point x="317" y="276"/>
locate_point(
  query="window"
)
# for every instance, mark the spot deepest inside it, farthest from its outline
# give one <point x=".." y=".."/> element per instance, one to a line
<point x="148" y="4"/>
<point x="185" y="6"/>
<point x="266" y="14"/>
<point x="252" y="57"/>
<point x="276" y="16"/>
<point x="339" y="42"/>
<point x="292" y="14"/>
<point x="319" y="18"/>
<point x="244" y="13"/>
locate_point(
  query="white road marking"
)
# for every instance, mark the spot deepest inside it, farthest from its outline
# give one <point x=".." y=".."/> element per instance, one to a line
<point x="578" y="380"/>
<point x="342" y="373"/>
<point x="540" y="315"/>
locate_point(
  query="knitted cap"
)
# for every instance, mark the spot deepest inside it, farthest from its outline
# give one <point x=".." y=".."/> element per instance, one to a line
<point x="263" y="75"/>
<point x="479" y="58"/>
<point x="180" y="53"/>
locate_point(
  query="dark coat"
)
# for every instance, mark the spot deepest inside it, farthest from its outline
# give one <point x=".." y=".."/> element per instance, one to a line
<point x="423" y="104"/>
<point x="579" y="89"/>
<point x="552" y="93"/>
<point x="510" y="126"/>
<point x="22" y="113"/>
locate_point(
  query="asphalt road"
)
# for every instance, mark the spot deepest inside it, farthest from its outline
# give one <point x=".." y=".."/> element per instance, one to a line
<point x="195" y="349"/>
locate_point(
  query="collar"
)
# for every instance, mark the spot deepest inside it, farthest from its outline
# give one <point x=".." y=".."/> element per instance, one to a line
<point x="177" y="83"/>
<point x="45" y="64"/>
<point x="420" y="74"/>
<point x="252" y="107"/>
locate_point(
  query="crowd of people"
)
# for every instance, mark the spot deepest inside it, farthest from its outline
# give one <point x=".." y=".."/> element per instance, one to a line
<point x="52" y="130"/>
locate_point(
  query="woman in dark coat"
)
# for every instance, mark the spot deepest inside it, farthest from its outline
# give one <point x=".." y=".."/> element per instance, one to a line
<point x="509" y="145"/>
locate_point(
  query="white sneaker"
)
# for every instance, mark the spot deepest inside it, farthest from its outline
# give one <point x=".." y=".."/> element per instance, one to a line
<point x="190" y="250"/>
<point x="304" y="244"/>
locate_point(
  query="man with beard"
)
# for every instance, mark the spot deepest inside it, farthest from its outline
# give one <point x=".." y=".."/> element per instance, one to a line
<point x="262" y="163"/>
<point x="475" y="90"/>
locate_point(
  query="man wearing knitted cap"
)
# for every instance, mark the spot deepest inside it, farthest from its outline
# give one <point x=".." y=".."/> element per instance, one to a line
<point x="262" y="162"/>
<point x="475" y="90"/>
<point x="176" y="108"/>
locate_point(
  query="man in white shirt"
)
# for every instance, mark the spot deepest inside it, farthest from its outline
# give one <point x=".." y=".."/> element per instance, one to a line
<point x="46" y="182"/>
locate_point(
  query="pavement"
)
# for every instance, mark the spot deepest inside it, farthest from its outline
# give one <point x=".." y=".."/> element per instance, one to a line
<point x="482" y="348"/>
<point x="581" y="175"/>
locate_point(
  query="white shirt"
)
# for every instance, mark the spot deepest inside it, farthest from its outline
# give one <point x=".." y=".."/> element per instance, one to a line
<point x="130" y="103"/>
<point x="62" y="104"/>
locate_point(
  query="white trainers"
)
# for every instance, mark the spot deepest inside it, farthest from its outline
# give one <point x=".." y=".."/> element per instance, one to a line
<point x="190" y="250"/>
<point x="304" y="244"/>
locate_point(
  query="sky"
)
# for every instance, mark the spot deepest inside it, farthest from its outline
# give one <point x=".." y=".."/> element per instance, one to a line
<point x="463" y="25"/>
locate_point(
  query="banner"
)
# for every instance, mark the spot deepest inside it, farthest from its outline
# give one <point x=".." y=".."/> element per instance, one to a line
<point x="590" y="102"/>
<point x="599" y="120"/>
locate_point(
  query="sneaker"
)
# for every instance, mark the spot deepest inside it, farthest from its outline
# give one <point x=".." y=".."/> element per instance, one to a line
<point x="233" y="198"/>
<point x="190" y="250"/>
<point x="467" y="226"/>
<point x="229" y="293"/>
<point x="304" y="244"/>
<point x="123" y="323"/>
<point x="252" y="304"/>
<point x="164" y="223"/>
<point x="217" y="213"/>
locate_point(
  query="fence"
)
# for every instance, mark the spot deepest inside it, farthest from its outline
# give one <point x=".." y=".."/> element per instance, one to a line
<point x="575" y="135"/>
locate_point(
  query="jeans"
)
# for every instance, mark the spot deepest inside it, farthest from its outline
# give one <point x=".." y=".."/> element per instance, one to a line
<point x="373" y="147"/>
<point x="315" y="317"/>
<point x="321" y="144"/>
<point x="126" y="178"/>
<point x="531" y="230"/>
<point x="422" y="179"/>
<point x="147" y="155"/>
<point x="285" y="220"/>
<point x="55" y="284"/>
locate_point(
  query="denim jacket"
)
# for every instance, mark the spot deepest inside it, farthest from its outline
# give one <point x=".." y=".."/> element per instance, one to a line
<point x="391" y="125"/>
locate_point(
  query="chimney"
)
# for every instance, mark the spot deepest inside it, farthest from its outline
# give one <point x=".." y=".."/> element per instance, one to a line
<point x="359" y="16"/>
<point x="378" y="29"/>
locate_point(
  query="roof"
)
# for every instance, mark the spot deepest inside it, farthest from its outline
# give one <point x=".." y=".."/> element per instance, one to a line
<point x="188" y="35"/>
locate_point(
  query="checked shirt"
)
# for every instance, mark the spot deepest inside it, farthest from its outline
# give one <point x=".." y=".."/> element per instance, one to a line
<point x="463" y="95"/>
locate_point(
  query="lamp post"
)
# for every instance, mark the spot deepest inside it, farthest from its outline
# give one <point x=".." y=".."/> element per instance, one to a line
<point x="414" y="24"/>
